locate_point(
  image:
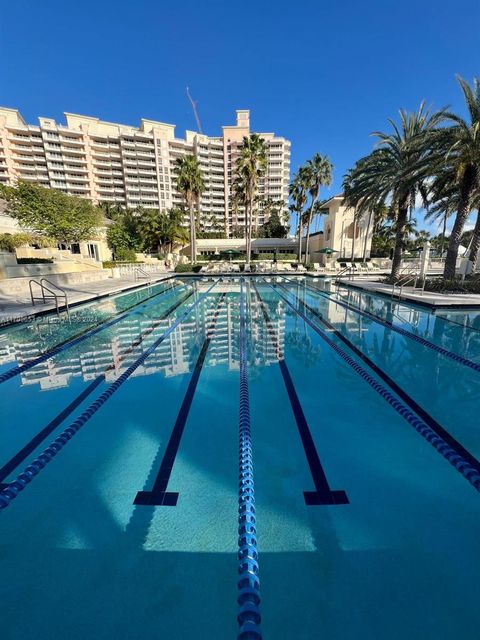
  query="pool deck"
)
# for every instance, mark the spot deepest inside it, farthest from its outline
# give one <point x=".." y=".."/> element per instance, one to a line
<point x="18" y="309"/>
<point x="429" y="299"/>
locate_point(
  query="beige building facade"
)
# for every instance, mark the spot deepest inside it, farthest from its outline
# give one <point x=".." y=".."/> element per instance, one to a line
<point x="134" y="166"/>
<point x="350" y="238"/>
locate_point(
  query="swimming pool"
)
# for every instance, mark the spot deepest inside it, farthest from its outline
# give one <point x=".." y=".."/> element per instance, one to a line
<point x="182" y="458"/>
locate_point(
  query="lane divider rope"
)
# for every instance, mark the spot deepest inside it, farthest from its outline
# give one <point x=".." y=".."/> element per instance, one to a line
<point x="454" y="458"/>
<point x="15" y="371"/>
<point x="248" y="617"/>
<point x="25" y="451"/>
<point x="9" y="494"/>
<point x="404" y="332"/>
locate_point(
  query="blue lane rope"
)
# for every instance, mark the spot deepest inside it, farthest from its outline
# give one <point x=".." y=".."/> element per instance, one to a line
<point x="15" y="371"/>
<point x="408" y="334"/>
<point x="8" y="494"/>
<point x="248" y="582"/>
<point x="21" y="455"/>
<point x="454" y="458"/>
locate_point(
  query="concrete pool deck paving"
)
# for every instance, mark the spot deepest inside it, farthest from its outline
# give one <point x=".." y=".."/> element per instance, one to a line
<point x="431" y="299"/>
<point x="15" y="309"/>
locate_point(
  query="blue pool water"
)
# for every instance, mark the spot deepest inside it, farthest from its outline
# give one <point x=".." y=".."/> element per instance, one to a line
<point x="119" y="466"/>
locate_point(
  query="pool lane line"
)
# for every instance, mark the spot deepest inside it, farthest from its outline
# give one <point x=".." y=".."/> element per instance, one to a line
<point x="322" y="495"/>
<point x="158" y="495"/>
<point x="21" y="455"/>
<point x="400" y="330"/>
<point x="442" y="441"/>
<point x="248" y="599"/>
<point x="67" y="344"/>
<point x="8" y="494"/>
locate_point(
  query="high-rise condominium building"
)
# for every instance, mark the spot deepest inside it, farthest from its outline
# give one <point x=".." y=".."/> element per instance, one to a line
<point x="117" y="164"/>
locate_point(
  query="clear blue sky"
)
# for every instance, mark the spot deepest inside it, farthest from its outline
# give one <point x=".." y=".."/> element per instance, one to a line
<point x="324" y="74"/>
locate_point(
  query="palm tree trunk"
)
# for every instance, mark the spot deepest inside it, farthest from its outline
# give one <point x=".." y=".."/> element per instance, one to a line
<point x="475" y="245"/>
<point x="300" y="233"/>
<point x="353" y="238"/>
<point x="307" y="240"/>
<point x="399" y="238"/>
<point x="193" y="249"/>
<point x="444" y="232"/>
<point x="248" y="230"/>
<point x="367" y="231"/>
<point x="460" y="219"/>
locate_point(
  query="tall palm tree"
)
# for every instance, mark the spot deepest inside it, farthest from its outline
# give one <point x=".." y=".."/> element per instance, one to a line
<point x="298" y="190"/>
<point x="397" y="170"/>
<point x="475" y="242"/>
<point x="189" y="183"/>
<point x="250" y="166"/>
<point x="462" y="143"/>
<point x="320" y="171"/>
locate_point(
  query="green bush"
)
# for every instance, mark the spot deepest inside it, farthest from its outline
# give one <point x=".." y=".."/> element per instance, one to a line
<point x="34" y="260"/>
<point x="123" y="254"/>
<point x="11" y="241"/>
<point x="439" y="285"/>
<point x="110" y="264"/>
<point x="44" y="242"/>
<point x="310" y="266"/>
<point x="188" y="268"/>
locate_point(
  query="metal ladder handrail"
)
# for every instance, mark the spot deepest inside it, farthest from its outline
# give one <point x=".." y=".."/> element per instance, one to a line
<point x="409" y="273"/>
<point x="52" y="293"/>
<point x="139" y="270"/>
<point x="345" y="270"/>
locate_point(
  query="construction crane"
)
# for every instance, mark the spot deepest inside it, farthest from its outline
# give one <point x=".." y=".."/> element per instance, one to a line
<point x="194" y="107"/>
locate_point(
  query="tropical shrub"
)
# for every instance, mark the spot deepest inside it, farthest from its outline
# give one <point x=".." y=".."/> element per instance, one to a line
<point x="11" y="241"/>
<point x="123" y="254"/>
<point x="188" y="268"/>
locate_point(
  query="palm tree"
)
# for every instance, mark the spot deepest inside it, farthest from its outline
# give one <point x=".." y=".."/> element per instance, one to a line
<point x="189" y="183"/>
<point x="298" y="193"/>
<point x="475" y="242"/>
<point x="462" y="142"/>
<point x="320" y="175"/>
<point x="160" y="229"/>
<point x="397" y="170"/>
<point x="250" y="166"/>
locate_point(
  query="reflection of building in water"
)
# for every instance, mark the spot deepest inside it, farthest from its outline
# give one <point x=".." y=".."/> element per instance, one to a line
<point x="105" y="352"/>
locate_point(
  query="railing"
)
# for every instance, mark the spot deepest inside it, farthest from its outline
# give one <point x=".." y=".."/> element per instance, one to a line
<point x="139" y="272"/>
<point x="408" y="274"/>
<point x="346" y="271"/>
<point x="50" y="293"/>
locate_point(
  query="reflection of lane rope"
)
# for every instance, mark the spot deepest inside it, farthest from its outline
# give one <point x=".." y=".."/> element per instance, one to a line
<point x="14" y="488"/>
<point x="248" y="582"/>
<point x="400" y="330"/>
<point x="14" y="371"/>
<point x="452" y="456"/>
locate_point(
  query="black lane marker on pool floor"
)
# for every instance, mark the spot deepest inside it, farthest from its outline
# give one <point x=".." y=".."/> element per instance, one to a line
<point x="322" y="495"/>
<point x="88" y="333"/>
<point x="444" y="443"/>
<point x="23" y="454"/>
<point x="159" y="496"/>
<point x="403" y="332"/>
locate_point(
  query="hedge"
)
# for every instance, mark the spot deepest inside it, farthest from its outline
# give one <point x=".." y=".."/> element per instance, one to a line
<point x="188" y="268"/>
<point x="34" y="260"/>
